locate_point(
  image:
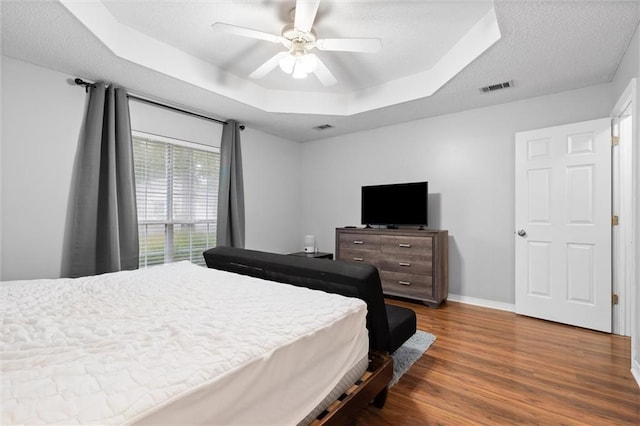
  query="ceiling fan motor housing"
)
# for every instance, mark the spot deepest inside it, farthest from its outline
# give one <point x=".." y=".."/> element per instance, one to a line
<point x="292" y="35"/>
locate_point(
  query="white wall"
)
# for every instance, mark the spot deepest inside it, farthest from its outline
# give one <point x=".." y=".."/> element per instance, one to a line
<point x="628" y="69"/>
<point x="272" y="178"/>
<point x="164" y="122"/>
<point x="41" y="118"/>
<point x="42" y="115"/>
<point x="0" y="158"/>
<point x="468" y="159"/>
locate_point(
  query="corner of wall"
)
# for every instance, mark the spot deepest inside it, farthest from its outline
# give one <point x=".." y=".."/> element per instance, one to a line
<point x="628" y="68"/>
<point x="1" y="167"/>
<point x="34" y="94"/>
<point x="272" y="179"/>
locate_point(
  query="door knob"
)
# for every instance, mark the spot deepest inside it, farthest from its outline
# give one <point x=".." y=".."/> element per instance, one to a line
<point x="522" y="232"/>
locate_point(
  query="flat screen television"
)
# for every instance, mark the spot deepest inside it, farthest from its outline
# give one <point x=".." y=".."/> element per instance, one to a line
<point x="395" y="204"/>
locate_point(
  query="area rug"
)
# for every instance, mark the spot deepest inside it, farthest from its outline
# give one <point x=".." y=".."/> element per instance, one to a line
<point x="406" y="355"/>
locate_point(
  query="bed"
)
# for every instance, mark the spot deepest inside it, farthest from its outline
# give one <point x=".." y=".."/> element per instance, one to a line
<point x="175" y="344"/>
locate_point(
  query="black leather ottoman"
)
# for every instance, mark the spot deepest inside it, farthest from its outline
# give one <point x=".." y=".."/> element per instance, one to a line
<point x="402" y="325"/>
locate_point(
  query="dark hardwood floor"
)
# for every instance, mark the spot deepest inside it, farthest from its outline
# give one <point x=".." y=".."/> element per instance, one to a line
<point x="494" y="367"/>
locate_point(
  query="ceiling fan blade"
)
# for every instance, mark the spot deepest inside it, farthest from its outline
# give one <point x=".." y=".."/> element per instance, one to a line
<point x="323" y="73"/>
<point x="268" y="66"/>
<point x="246" y="32"/>
<point x="305" y="14"/>
<point x="369" y="45"/>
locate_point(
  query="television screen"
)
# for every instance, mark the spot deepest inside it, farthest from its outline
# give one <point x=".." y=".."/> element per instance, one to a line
<point x="396" y="204"/>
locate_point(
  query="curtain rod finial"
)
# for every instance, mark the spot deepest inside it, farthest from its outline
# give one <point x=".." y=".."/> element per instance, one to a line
<point x="81" y="82"/>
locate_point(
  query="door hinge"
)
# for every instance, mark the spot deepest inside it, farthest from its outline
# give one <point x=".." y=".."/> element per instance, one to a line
<point x="614" y="220"/>
<point x="615" y="140"/>
<point x="614" y="299"/>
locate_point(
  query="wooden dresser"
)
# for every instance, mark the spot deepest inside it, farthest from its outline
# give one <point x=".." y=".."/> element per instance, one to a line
<point x="412" y="263"/>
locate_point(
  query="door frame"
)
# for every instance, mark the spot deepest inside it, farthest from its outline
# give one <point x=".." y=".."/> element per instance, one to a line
<point x="624" y="246"/>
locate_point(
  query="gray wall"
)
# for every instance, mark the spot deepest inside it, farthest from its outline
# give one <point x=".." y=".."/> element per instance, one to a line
<point x="41" y="120"/>
<point x="271" y="168"/>
<point x="468" y="159"/>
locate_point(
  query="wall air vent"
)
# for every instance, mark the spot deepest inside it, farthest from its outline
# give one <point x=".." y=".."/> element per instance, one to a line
<point x="323" y="127"/>
<point x="494" y="87"/>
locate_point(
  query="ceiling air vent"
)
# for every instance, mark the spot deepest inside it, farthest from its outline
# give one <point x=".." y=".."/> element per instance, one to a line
<point x="494" y="87"/>
<point x="323" y="127"/>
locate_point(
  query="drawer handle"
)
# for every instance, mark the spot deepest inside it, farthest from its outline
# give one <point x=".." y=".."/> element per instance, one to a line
<point x="404" y="282"/>
<point x="405" y="245"/>
<point x="358" y="242"/>
<point x="358" y="259"/>
<point x="404" y="264"/>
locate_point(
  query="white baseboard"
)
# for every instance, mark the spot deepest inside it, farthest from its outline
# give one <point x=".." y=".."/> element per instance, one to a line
<point x="635" y="371"/>
<point x="482" y="302"/>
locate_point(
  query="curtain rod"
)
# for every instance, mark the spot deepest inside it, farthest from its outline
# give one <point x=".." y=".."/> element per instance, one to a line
<point x="81" y="82"/>
<point x="172" y="108"/>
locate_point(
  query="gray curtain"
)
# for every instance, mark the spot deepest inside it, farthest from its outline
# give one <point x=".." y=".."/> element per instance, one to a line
<point x="104" y="230"/>
<point x="230" y="230"/>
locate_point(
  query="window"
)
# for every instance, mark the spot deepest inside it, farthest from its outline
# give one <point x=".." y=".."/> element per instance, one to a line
<point x="177" y="197"/>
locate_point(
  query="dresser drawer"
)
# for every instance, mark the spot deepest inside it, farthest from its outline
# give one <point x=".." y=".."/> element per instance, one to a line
<point x="368" y="256"/>
<point x="407" y="264"/>
<point x="408" y="285"/>
<point x="412" y="263"/>
<point x="406" y="245"/>
<point x="359" y="241"/>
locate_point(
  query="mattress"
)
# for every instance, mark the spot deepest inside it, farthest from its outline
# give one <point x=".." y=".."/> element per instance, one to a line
<point x="173" y="344"/>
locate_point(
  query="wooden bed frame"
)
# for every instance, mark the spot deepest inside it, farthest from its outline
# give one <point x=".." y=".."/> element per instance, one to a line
<point x="372" y="388"/>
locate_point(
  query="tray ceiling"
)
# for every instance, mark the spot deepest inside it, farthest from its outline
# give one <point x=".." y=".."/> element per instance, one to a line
<point x="168" y="51"/>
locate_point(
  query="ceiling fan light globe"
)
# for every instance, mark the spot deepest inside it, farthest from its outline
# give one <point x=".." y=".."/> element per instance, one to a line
<point x="309" y="62"/>
<point x="287" y="64"/>
<point x="298" y="71"/>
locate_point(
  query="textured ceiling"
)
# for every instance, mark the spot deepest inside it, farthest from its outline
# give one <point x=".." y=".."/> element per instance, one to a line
<point x="414" y="35"/>
<point x="401" y="77"/>
<point x="546" y="47"/>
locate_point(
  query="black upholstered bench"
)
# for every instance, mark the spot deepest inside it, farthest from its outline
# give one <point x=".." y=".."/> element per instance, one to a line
<point x="389" y="325"/>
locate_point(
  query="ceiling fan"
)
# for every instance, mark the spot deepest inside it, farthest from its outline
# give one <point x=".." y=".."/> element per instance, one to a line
<point x="299" y="39"/>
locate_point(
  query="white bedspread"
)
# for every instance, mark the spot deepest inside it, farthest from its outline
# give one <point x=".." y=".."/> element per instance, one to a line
<point x="174" y="344"/>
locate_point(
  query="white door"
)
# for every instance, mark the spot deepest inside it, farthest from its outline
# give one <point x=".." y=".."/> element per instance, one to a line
<point x="563" y="224"/>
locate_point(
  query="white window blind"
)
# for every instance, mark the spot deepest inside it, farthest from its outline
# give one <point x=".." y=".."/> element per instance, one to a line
<point x="177" y="197"/>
